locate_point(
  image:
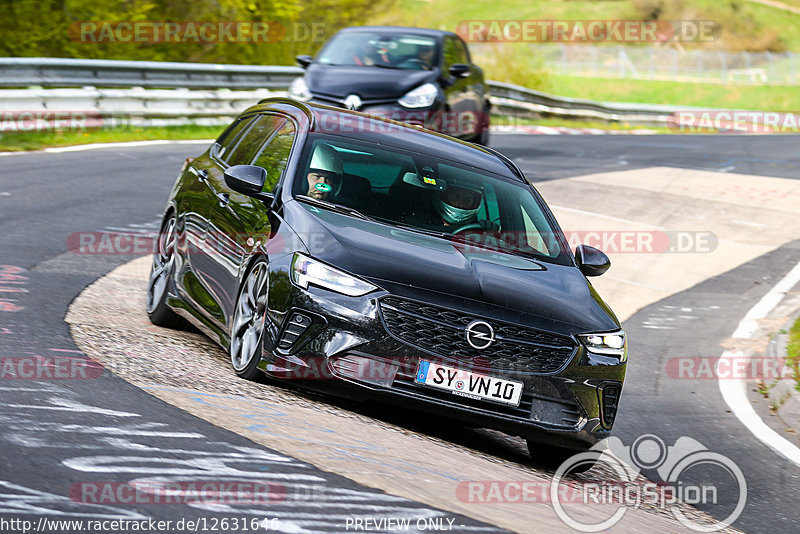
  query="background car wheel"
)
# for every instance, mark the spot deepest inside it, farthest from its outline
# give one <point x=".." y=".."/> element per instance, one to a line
<point x="482" y="136"/>
<point x="160" y="275"/>
<point x="248" y="323"/>
<point x="551" y="456"/>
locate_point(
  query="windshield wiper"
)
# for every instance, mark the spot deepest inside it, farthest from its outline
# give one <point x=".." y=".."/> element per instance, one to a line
<point x="386" y="66"/>
<point x="425" y="231"/>
<point x="339" y="208"/>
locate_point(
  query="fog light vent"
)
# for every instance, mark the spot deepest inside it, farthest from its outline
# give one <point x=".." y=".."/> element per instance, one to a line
<point x="364" y="369"/>
<point x="298" y="323"/>
<point x="610" y="396"/>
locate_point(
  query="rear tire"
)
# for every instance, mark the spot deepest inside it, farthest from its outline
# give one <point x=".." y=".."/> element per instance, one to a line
<point x="161" y="275"/>
<point x="551" y="456"/>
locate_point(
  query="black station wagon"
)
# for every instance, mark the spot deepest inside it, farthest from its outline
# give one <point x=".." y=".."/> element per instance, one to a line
<point x="382" y="261"/>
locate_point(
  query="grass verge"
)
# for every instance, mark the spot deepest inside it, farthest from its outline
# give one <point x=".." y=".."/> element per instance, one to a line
<point x="18" y="141"/>
<point x="760" y="98"/>
<point x="793" y="352"/>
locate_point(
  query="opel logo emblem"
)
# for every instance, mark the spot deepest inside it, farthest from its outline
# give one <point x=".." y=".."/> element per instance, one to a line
<point x="480" y="334"/>
<point x="352" y="102"/>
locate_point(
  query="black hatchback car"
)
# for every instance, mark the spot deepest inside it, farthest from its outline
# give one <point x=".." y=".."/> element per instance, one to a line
<point x="414" y="75"/>
<point x="378" y="260"/>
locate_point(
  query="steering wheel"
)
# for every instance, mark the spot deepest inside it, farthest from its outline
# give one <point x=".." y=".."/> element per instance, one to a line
<point x="468" y="226"/>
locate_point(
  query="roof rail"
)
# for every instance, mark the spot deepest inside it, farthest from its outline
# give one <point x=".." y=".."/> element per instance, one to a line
<point x="290" y="101"/>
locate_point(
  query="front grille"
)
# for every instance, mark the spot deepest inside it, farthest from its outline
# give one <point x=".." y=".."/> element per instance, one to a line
<point x="442" y="331"/>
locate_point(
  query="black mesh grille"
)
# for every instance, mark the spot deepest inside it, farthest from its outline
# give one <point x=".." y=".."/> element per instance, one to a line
<point x="610" y="394"/>
<point x="442" y="332"/>
<point x="298" y="323"/>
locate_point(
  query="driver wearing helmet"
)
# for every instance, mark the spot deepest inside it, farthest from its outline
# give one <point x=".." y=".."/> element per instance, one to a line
<point x="454" y="209"/>
<point x="324" y="177"/>
<point x="458" y="205"/>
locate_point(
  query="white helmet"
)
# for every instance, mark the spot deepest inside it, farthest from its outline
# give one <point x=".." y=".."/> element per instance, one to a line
<point x="458" y="204"/>
<point x="326" y="158"/>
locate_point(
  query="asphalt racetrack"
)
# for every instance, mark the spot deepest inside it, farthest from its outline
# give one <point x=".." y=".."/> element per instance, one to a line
<point x="727" y="205"/>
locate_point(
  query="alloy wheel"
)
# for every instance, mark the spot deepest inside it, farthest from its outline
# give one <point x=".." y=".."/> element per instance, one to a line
<point x="248" y="321"/>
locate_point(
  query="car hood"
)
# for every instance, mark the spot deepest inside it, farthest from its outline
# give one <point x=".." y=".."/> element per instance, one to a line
<point x="369" y="83"/>
<point x="414" y="264"/>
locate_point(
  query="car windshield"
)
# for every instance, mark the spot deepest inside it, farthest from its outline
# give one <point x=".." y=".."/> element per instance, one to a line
<point x="427" y="194"/>
<point x="371" y="49"/>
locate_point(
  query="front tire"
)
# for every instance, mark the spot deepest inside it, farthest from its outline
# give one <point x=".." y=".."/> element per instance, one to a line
<point x="248" y="323"/>
<point x="160" y="277"/>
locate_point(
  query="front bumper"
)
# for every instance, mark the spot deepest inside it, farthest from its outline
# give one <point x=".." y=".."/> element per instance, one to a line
<point x="431" y="117"/>
<point x="322" y="339"/>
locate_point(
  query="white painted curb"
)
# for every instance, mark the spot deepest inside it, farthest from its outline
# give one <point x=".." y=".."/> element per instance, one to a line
<point x="734" y="390"/>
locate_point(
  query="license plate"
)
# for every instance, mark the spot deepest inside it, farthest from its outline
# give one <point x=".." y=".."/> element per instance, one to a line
<point x="467" y="384"/>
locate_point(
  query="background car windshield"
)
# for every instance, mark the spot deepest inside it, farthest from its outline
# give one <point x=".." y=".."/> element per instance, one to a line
<point x="397" y="51"/>
<point x="410" y="189"/>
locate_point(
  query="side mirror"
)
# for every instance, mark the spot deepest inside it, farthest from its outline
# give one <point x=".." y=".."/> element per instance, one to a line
<point x="246" y="179"/>
<point x="304" y="60"/>
<point x="591" y="262"/>
<point x="460" y="70"/>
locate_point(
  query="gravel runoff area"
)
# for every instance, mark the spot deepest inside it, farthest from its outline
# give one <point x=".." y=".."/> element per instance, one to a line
<point x="375" y="445"/>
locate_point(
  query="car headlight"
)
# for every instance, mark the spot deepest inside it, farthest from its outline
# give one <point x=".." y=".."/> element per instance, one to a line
<point x="299" y="90"/>
<point x="306" y="271"/>
<point x="421" y="97"/>
<point x="609" y="344"/>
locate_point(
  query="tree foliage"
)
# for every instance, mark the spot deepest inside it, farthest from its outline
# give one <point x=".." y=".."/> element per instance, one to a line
<point x="52" y="28"/>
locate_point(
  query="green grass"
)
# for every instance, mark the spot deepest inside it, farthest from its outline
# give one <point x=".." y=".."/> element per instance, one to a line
<point x="761" y="98"/>
<point x="793" y="352"/>
<point x="446" y="14"/>
<point x="745" y="25"/>
<point x="10" y="142"/>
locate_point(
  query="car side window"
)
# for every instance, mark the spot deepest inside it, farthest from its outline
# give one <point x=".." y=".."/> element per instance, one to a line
<point x="230" y="136"/>
<point x="274" y="155"/>
<point x="450" y="52"/>
<point x="461" y="51"/>
<point x="454" y="52"/>
<point x="257" y="132"/>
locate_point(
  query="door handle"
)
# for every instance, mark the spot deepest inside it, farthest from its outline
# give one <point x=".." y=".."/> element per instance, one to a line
<point x="223" y="198"/>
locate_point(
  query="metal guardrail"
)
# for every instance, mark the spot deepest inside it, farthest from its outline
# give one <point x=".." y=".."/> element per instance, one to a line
<point x="510" y="99"/>
<point x="56" y="72"/>
<point x="166" y="89"/>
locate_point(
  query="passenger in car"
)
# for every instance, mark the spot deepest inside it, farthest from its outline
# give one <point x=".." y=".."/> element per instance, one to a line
<point x="324" y="174"/>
